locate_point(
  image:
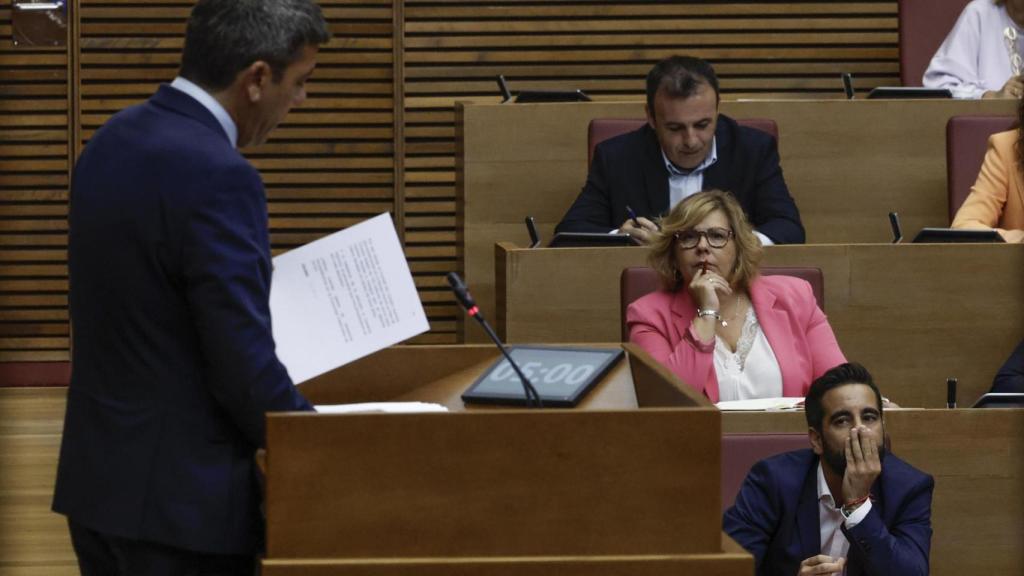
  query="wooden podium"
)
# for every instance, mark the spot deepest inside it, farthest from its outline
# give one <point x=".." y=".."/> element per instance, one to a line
<point x="594" y="490"/>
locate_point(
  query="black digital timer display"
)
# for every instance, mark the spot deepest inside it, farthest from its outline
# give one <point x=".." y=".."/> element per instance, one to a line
<point x="562" y="376"/>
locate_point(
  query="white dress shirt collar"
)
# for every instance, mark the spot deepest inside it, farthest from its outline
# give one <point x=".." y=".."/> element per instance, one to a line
<point x="709" y="160"/>
<point x="211" y="104"/>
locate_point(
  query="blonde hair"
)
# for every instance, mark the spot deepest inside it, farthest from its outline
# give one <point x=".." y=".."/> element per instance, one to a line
<point x="685" y="216"/>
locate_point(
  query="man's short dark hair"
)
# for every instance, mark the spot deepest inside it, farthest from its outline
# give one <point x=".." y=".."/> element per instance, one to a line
<point x="680" y="76"/>
<point x="849" y="373"/>
<point x="224" y="37"/>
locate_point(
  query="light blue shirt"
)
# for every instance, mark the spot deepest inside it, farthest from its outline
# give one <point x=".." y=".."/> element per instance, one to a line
<point x="682" y="185"/>
<point x="211" y="104"/>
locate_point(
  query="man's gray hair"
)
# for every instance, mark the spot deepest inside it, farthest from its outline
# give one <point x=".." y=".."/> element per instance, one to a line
<point x="224" y="37"/>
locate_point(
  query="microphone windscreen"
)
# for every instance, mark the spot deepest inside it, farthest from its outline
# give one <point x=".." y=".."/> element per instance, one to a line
<point x="460" y="290"/>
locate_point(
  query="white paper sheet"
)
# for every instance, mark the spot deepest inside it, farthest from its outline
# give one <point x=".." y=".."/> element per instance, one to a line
<point x="762" y="404"/>
<point x="342" y="297"/>
<point x="386" y="407"/>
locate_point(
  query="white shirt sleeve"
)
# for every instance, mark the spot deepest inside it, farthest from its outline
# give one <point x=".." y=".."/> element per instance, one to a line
<point x="859" y="514"/>
<point x="973" y="59"/>
<point x="765" y="241"/>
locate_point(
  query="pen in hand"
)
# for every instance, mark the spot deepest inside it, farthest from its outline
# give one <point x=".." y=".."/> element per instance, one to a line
<point x="632" y="216"/>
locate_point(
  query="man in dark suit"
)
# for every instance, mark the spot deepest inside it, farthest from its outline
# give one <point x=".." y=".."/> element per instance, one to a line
<point x="846" y="504"/>
<point x="1010" y="377"/>
<point x="173" y="362"/>
<point x="685" y="147"/>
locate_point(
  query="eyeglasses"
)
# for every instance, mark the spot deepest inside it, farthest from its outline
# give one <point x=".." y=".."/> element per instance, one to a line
<point x="716" y="237"/>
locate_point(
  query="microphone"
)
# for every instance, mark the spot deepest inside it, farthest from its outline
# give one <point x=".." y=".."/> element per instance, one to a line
<point x="531" y="228"/>
<point x="950" y="392"/>
<point x="847" y="84"/>
<point x="466" y="300"/>
<point x="506" y="94"/>
<point x="897" y="230"/>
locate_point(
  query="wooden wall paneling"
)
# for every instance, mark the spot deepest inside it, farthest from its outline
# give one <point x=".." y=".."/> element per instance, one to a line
<point x="331" y="162"/>
<point x="454" y="49"/>
<point x="34" y="164"/>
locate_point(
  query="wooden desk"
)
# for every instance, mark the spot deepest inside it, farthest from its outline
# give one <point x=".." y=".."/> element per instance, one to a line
<point x="847" y="164"/>
<point x="978" y="511"/>
<point x="974" y="455"/>
<point x="913" y="314"/>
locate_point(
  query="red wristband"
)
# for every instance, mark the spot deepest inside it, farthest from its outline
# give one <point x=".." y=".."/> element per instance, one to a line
<point x="856" y="501"/>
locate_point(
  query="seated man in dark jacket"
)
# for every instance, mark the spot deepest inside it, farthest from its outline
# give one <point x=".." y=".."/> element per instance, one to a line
<point x="1011" y="376"/>
<point x="845" y="504"/>
<point x="686" y="147"/>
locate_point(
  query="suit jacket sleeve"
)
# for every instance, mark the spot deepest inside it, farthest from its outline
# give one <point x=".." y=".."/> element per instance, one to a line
<point x="692" y="360"/>
<point x="592" y="209"/>
<point x="227" y="273"/>
<point x="903" y="549"/>
<point x="775" y="213"/>
<point x="984" y="206"/>
<point x="1011" y="376"/>
<point x="753" y="520"/>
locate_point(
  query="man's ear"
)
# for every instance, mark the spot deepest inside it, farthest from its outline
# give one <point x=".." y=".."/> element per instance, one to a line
<point x="255" y="78"/>
<point x="650" y="117"/>
<point x="816" y="444"/>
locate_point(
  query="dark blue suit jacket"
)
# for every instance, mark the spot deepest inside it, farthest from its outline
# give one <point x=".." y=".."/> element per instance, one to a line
<point x="629" y="170"/>
<point x="775" y="518"/>
<point x="1010" y="377"/>
<point x="173" y="362"/>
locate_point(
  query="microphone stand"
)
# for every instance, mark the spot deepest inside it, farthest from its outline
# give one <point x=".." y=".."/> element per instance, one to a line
<point x="467" y="302"/>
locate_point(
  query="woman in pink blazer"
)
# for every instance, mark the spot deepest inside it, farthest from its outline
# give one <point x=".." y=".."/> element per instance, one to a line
<point x="717" y="324"/>
<point x="996" y="200"/>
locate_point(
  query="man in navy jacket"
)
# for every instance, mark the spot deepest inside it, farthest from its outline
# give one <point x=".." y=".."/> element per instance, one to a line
<point x="173" y="361"/>
<point x="845" y="504"/>
<point x="685" y="147"/>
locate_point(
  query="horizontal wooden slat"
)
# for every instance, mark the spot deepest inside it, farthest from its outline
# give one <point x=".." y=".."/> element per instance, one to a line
<point x="34" y="164"/>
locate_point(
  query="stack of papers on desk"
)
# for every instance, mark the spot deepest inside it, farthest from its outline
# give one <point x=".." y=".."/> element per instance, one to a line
<point x="762" y="404"/>
<point x="385" y="407"/>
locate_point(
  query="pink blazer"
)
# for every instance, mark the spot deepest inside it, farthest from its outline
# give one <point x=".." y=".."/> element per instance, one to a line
<point x="794" y="326"/>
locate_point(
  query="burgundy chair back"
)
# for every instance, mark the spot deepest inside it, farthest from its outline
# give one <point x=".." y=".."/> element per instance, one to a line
<point x="601" y="129"/>
<point x="637" y="281"/>
<point x="923" y="24"/>
<point x="741" y="451"/>
<point x="966" y="142"/>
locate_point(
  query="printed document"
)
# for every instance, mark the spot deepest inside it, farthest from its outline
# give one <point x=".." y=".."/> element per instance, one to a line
<point x="343" y="297"/>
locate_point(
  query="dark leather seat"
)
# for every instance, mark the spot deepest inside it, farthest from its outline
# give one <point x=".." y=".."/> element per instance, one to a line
<point x="966" y="143"/>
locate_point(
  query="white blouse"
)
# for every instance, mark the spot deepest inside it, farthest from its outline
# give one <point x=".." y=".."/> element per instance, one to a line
<point x="974" y="57"/>
<point x="752" y="371"/>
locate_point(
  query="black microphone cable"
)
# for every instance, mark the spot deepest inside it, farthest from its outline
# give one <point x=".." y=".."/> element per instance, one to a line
<point x="467" y="302"/>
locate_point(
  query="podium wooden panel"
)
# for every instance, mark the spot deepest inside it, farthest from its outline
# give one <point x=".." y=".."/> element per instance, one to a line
<point x="847" y="164"/>
<point x="913" y="314"/>
<point x="732" y="561"/>
<point x="492" y="490"/>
